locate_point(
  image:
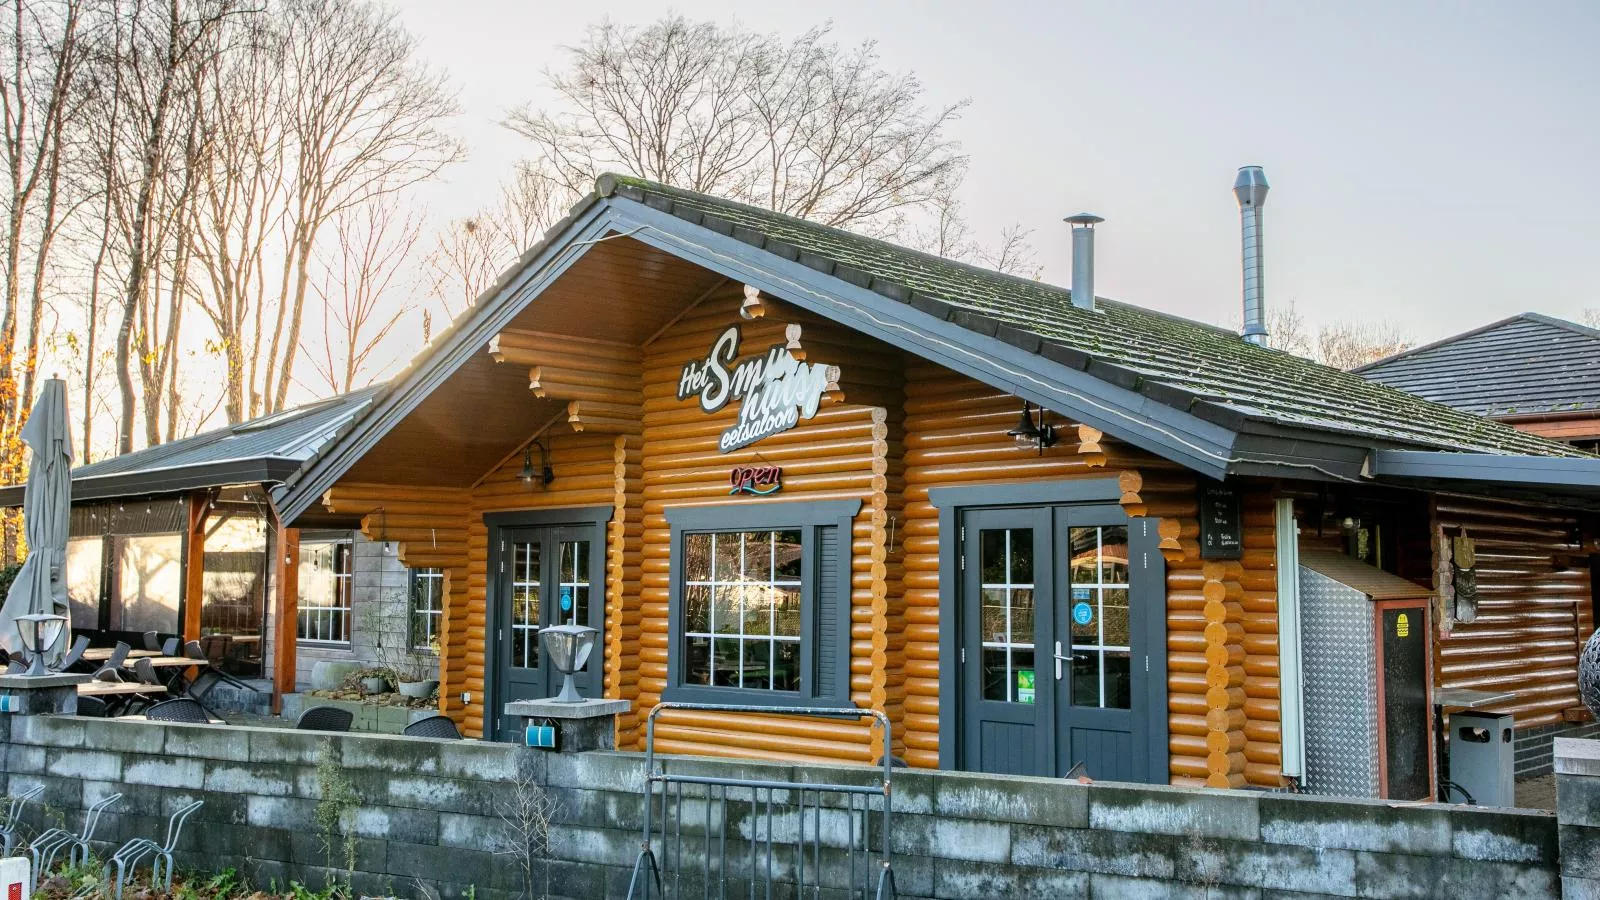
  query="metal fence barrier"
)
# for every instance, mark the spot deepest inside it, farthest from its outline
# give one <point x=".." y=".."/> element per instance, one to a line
<point x="707" y="836"/>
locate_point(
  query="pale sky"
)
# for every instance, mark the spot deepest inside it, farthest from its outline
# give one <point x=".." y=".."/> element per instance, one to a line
<point x="1437" y="167"/>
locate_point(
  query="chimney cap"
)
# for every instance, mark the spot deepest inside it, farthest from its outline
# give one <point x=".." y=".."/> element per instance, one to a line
<point x="1251" y="186"/>
<point x="1084" y="218"/>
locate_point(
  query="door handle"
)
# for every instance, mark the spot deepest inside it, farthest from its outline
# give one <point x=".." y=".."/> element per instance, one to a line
<point x="1060" y="659"/>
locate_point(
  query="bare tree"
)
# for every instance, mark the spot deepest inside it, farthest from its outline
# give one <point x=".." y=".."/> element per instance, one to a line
<point x="1346" y="345"/>
<point x="470" y="253"/>
<point x="360" y="302"/>
<point x="1286" y="329"/>
<point x="43" y="54"/>
<point x="805" y="127"/>
<point x="1013" y="255"/>
<point x="365" y="120"/>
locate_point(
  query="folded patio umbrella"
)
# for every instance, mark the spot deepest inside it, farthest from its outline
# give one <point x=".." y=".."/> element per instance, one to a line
<point x="41" y="585"/>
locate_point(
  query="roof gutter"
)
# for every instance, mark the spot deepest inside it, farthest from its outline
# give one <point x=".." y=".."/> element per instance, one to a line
<point x="1533" y="471"/>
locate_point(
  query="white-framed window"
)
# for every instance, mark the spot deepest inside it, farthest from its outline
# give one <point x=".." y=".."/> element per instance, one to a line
<point x="741" y="609"/>
<point x="427" y="607"/>
<point x="325" y="576"/>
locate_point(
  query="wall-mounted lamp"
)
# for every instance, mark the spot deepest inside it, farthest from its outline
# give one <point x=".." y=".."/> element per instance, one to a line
<point x="544" y="474"/>
<point x="1030" y="435"/>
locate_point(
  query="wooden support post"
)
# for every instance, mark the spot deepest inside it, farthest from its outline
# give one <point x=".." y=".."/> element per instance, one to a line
<point x="287" y="579"/>
<point x="194" y="564"/>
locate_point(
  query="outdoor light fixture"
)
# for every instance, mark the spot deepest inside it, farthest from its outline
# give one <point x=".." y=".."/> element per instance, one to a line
<point x="569" y="647"/>
<point x="544" y="474"/>
<point x="1027" y="434"/>
<point x="39" y="632"/>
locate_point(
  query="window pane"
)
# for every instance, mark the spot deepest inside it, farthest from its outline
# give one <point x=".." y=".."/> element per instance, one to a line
<point x="697" y="608"/>
<point x="526" y="602"/>
<point x="1085" y="678"/>
<point x="697" y="557"/>
<point x="1021" y="556"/>
<point x="1119" y="681"/>
<point x="757" y="672"/>
<point x="788" y="554"/>
<point x="786" y="614"/>
<point x="992" y="556"/>
<point x="151" y="573"/>
<point x="1022" y="675"/>
<point x="743" y="588"/>
<point x="1114" y="554"/>
<point x="324" y="601"/>
<point x="1084" y="555"/>
<point x="786" y="666"/>
<point x="85" y="571"/>
<point x="996" y="683"/>
<point x="1115" y="627"/>
<point x="697" y="661"/>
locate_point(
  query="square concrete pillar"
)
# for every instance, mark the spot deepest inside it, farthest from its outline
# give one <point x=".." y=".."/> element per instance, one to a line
<point x="585" y="725"/>
<point x="41" y="695"/>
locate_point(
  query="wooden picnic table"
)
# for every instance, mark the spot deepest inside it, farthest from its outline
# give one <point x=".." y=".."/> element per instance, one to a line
<point x="115" y="688"/>
<point x="103" y="654"/>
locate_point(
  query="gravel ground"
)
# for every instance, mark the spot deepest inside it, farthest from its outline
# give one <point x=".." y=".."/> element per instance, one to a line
<point x="1537" y="793"/>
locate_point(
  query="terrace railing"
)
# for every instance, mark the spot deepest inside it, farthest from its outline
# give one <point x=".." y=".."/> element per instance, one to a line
<point x="720" y="837"/>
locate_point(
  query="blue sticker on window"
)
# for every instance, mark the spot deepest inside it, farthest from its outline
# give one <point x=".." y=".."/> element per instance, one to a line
<point x="566" y="599"/>
<point x="1081" y="593"/>
<point x="1082" y="613"/>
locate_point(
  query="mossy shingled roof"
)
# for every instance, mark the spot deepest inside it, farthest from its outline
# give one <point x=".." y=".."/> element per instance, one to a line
<point x="1200" y="368"/>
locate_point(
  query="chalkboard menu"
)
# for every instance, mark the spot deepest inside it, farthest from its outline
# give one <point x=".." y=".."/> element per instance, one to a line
<point x="1220" y="533"/>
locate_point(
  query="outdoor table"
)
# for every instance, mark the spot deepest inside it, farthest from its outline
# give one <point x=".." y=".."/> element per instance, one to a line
<point x="103" y="654"/>
<point x="113" y="688"/>
<point x="170" y="662"/>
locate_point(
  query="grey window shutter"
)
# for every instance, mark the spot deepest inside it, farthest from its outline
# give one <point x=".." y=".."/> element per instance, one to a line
<point x="832" y="681"/>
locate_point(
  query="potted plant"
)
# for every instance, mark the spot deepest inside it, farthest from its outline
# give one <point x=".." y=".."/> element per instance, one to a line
<point x="415" y="670"/>
<point x="375" y="681"/>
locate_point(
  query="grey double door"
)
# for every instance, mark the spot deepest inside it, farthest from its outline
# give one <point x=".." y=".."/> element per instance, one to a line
<point x="1056" y="638"/>
<point x="542" y="576"/>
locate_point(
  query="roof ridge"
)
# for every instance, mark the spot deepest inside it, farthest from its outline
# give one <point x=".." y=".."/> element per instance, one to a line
<point x="605" y="188"/>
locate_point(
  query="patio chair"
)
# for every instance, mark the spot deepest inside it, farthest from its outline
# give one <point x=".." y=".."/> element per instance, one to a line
<point x="103" y="674"/>
<point x="152" y="641"/>
<point x="45" y="847"/>
<point x="325" y="718"/>
<point x="170" y="647"/>
<point x="433" y="727"/>
<point x="13" y="820"/>
<point x="93" y="707"/>
<point x="212" y="674"/>
<point x="179" y="709"/>
<point x="145" y="671"/>
<point x="74" y="658"/>
<point x="16" y="667"/>
<point x="119" y="656"/>
<point x="130" y="855"/>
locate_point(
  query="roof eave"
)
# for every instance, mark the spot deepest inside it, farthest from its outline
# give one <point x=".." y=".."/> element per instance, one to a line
<point x="176" y="480"/>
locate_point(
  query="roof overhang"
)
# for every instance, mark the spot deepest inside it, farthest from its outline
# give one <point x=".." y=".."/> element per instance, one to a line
<point x="1569" y="480"/>
<point x="175" y="480"/>
<point x="1207" y="438"/>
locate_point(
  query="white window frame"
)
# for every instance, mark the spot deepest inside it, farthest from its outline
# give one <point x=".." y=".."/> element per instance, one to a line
<point x="343" y="595"/>
<point x="433" y="614"/>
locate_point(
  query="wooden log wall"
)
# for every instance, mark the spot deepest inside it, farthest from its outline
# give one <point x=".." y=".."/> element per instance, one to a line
<point x="849" y="450"/>
<point x="1221" y="619"/>
<point x="1533" y="616"/>
<point x="429" y="525"/>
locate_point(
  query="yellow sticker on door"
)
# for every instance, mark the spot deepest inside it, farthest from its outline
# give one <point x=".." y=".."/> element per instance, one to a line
<point x="1402" y="626"/>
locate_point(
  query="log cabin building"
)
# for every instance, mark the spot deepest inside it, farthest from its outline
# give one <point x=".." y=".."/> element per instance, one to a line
<point x="778" y="464"/>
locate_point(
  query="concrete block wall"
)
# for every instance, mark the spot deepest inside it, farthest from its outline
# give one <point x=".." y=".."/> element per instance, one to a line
<point x="380" y="600"/>
<point x="430" y="810"/>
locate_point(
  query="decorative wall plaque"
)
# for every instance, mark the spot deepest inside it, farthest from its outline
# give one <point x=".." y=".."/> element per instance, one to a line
<point x="776" y="390"/>
<point x="1220" y="533"/>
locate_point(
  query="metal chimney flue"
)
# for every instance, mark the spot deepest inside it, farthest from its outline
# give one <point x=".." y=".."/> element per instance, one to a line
<point x="1083" y="259"/>
<point x="1251" y="190"/>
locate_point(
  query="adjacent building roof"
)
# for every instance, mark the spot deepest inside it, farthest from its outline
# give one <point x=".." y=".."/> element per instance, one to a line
<point x="265" y="450"/>
<point x="1527" y="365"/>
<point x="1190" y="392"/>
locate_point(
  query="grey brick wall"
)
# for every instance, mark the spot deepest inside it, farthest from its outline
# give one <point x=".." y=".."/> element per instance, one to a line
<point x="428" y="810"/>
<point x="379" y="604"/>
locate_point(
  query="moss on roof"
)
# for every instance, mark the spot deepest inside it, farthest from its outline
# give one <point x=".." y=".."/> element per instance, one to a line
<point x="1206" y="363"/>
